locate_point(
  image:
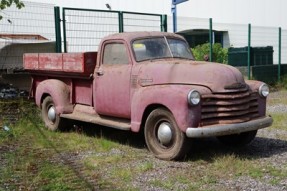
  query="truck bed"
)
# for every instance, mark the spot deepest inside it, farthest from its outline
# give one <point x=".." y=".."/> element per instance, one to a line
<point x="79" y="63"/>
<point x="74" y="69"/>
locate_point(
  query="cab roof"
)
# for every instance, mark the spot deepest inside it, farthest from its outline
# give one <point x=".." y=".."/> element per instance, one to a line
<point x="129" y="36"/>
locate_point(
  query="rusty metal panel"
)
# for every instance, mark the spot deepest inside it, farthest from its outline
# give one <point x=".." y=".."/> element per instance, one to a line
<point x="83" y="91"/>
<point x="83" y="63"/>
<point x="227" y="108"/>
<point x="73" y="62"/>
<point x="90" y="59"/>
<point x="52" y="62"/>
<point x="31" y="61"/>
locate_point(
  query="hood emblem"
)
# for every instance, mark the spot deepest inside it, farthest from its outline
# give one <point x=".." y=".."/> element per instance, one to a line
<point x="235" y="86"/>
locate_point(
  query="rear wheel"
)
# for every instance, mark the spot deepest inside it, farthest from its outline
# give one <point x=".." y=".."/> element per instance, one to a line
<point x="238" y="140"/>
<point x="50" y="117"/>
<point x="163" y="137"/>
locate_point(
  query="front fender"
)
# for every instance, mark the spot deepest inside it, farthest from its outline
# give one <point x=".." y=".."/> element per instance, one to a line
<point x="59" y="92"/>
<point x="173" y="97"/>
<point x="254" y="87"/>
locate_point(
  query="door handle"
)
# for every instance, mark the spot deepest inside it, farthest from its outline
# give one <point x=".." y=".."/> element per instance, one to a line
<point x="100" y="73"/>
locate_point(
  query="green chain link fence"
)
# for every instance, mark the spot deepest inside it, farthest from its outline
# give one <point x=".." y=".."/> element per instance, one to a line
<point x="83" y="29"/>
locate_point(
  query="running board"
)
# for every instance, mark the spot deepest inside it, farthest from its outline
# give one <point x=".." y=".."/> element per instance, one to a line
<point x="87" y="114"/>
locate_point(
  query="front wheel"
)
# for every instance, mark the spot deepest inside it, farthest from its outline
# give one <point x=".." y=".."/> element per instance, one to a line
<point x="51" y="119"/>
<point x="237" y="140"/>
<point x="163" y="137"/>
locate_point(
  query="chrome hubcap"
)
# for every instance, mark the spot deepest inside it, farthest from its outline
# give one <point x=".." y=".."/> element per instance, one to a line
<point x="52" y="114"/>
<point x="164" y="133"/>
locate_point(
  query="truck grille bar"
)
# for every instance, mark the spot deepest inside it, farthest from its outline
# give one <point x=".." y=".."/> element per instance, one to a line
<point x="227" y="108"/>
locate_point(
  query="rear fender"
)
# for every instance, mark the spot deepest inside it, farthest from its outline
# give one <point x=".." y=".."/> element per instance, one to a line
<point x="59" y="92"/>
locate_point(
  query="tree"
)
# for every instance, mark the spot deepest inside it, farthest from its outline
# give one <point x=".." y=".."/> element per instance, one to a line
<point x="7" y="3"/>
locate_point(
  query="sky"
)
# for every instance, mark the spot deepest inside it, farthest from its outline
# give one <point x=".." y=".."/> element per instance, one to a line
<point x="258" y="12"/>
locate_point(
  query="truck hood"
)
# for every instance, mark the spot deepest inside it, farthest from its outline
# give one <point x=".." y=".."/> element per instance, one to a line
<point x="217" y="77"/>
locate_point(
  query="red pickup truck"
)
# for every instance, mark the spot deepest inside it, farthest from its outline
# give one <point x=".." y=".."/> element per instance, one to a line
<point x="149" y="81"/>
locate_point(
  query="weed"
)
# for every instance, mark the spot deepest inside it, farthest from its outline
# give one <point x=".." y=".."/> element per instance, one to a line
<point x="146" y="166"/>
<point x="279" y="121"/>
<point x="166" y="184"/>
<point x="282" y="84"/>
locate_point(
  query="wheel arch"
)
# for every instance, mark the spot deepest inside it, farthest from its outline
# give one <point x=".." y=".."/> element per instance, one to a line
<point x="44" y="95"/>
<point x="148" y="110"/>
<point x="148" y="98"/>
<point x="60" y="93"/>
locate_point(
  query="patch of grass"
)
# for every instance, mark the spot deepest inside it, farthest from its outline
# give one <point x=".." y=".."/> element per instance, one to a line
<point x="6" y="135"/>
<point x="229" y="165"/>
<point x="97" y="162"/>
<point x="124" y="174"/>
<point x="280" y="99"/>
<point x="105" y="145"/>
<point x="279" y="121"/>
<point x="191" y="185"/>
<point x="277" y="174"/>
<point x="259" y="171"/>
<point x="282" y="85"/>
<point x="256" y="172"/>
<point x="145" y="166"/>
<point x="166" y="184"/>
<point x="33" y="156"/>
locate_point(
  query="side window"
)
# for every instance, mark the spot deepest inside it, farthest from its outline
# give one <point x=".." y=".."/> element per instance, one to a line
<point x="115" y="53"/>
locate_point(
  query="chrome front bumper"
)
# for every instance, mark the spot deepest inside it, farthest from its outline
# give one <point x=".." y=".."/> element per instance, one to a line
<point x="228" y="129"/>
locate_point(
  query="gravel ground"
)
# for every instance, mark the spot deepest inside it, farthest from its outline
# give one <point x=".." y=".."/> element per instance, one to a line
<point x="269" y="147"/>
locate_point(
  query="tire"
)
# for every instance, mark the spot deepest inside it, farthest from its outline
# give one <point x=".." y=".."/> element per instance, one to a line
<point x="170" y="147"/>
<point x="52" y="123"/>
<point x="238" y="140"/>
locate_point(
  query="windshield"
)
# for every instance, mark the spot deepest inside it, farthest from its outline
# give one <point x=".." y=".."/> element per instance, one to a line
<point x="161" y="47"/>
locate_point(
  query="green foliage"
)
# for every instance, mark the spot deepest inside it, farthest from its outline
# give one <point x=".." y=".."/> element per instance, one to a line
<point x="8" y="3"/>
<point x="283" y="83"/>
<point x="220" y="54"/>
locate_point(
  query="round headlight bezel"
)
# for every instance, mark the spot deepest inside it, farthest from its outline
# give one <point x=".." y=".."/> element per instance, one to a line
<point x="263" y="90"/>
<point x="193" y="97"/>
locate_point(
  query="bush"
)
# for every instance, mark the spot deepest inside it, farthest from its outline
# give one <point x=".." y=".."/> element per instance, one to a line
<point x="282" y="84"/>
<point x="220" y="54"/>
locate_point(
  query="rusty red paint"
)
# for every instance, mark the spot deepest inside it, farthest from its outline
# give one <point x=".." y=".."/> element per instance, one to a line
<point x="126" y="91"/>
<point x="83" y="63"/>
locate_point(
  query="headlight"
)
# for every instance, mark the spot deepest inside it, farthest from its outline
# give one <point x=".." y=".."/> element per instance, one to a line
<point x="193" y="97"/>
<point x="264" y="90"/>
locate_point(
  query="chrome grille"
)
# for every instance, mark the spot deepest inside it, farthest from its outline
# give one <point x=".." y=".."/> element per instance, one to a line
<point x="226" y="108"/>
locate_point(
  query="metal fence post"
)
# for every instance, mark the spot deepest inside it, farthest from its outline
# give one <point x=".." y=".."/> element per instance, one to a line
<point x="163" y="23"/>
<point x="210" y="39"/>
<point x="57" y="19"/>
<point x="279" y="56"/>
<point x="174" y="19"/>
<point x="249" y="55"/>
<point x="64" y="31"/>
<point x="121" y="22"/>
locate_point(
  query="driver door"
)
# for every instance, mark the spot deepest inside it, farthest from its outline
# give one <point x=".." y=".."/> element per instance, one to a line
<point x="112" y="83"/>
